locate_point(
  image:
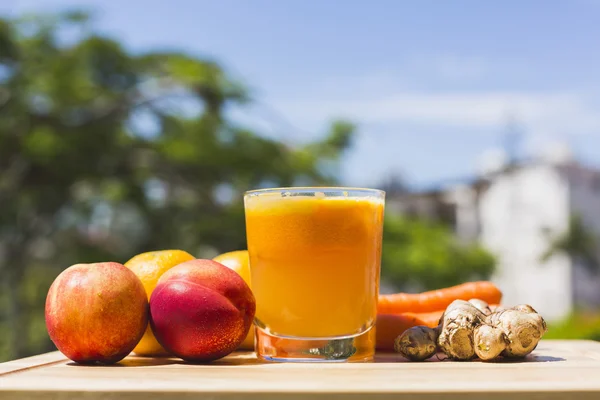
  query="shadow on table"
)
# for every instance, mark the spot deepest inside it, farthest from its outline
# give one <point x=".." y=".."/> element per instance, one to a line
<point x="532" y="358"/>
<point x="240" y="359"/>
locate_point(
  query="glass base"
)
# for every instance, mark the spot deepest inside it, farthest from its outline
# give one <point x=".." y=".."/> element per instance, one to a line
<point x="357" y="348"/>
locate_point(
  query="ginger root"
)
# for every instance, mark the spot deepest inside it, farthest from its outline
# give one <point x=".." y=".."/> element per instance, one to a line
<point x="490" y="341"/>
<point x="417" y="343"/>
<point x="523" y="329"/>
<point x="481" y="305"/>
<point x="456" y="330"/>
<point x="526" y="308"/>
<point x="470" y="329"/>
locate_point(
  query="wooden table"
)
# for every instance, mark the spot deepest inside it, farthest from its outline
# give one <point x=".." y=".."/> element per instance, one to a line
<point x="557" y="369"/>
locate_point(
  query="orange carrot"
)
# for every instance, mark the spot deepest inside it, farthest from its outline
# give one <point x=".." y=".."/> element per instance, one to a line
<point x="438" y="299"/>
<point x="390" y="326"/>
<point x="430" y="319"/>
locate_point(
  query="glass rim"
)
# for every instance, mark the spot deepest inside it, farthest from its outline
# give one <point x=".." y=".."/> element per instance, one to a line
<point x="304" y="189"/>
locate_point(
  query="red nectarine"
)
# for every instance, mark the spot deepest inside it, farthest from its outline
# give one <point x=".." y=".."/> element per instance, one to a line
<point x="96" y="312"/>
<point x="201" y="310"/>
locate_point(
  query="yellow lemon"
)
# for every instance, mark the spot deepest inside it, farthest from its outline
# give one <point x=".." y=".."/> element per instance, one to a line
<point x="149" y="267"/>
<point x="239" y="261"/>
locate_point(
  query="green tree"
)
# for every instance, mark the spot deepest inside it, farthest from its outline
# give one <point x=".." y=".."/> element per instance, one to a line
<point x="105" y="154"/>
<point x="425" y="255"/>
<point x="577" y="242"/>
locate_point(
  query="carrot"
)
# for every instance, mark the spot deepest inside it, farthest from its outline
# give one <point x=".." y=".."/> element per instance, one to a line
<point x="438" y="299"/>
<point x="390" y="326"/>
<point x="430" y="319"/>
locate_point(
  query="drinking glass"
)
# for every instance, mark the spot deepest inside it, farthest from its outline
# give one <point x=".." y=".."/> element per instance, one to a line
<point x="315" y="256"/>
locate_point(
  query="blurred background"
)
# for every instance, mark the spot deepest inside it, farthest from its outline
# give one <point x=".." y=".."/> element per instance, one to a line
<point x="129" y="126"/>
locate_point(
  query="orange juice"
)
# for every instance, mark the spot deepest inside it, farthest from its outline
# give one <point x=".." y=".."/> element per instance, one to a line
<point x="315" y="261"/>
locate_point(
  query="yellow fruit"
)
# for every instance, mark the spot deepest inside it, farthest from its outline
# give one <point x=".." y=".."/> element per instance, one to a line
<point x="149" y="267"/>
<point x="239" y="261"/>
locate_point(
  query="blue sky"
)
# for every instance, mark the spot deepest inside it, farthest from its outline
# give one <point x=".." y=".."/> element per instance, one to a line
<point x="431" y="84"/>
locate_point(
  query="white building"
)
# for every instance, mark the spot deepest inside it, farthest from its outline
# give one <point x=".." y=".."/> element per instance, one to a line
<point x="513" y="212"/>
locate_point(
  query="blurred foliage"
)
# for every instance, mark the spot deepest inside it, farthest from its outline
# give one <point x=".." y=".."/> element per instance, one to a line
<point x="578" y="242"/>
<point x="425" y="255"/>
<point x="579" y="325"/>
<point x="105" y="154"/>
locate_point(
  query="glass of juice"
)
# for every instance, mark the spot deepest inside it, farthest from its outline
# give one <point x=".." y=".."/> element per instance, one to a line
<point x="315" y="256"/>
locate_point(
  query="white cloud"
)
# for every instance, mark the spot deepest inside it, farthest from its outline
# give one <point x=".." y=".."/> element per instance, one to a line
<point x="539" y="113"/>
<point x="438" y="70"/>
<point x="452" y="68"/>
<point x="402" y="93"/>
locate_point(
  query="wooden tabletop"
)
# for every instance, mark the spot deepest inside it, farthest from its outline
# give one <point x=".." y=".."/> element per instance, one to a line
<point x="557" y="369"/>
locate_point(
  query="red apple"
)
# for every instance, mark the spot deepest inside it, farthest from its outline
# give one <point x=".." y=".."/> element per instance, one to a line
<point x="96" y="312"/>
<point x="201" y="310"/>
